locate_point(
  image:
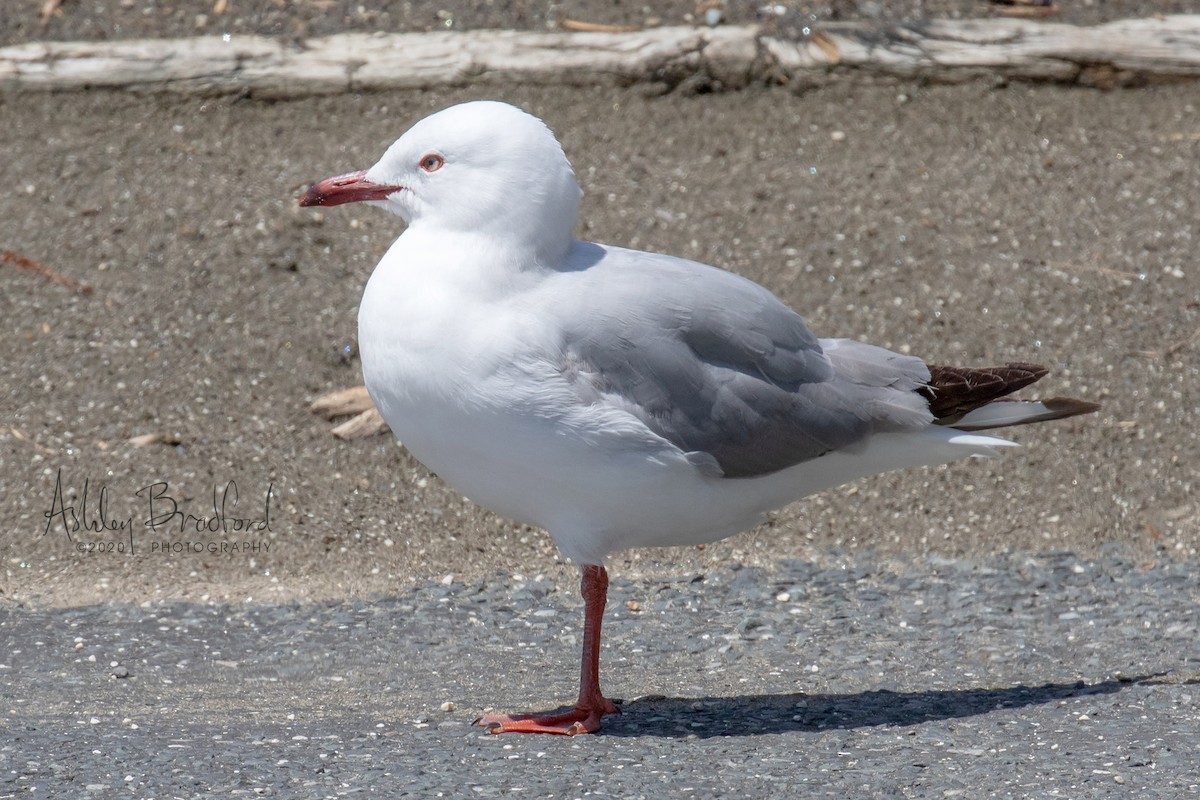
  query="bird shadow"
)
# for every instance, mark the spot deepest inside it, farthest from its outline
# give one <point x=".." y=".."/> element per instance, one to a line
<point x="752" y="715"/>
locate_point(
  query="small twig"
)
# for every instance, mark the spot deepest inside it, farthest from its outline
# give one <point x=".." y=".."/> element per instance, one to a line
<point x="1168" y="351"/>
<point x="368" y="423"/>
<point x="21" y="437"/>
<point x="47" y="273"/>
<point x="342" y="403"/>
<point x="595" y="27"/>
<point x="1182" y="343"/>
<point x="158" y="437"/>
<point x="364" y="420"/>
<point x="1026" y="12"/>
<point x="1066" y="266"/>
<point x="49" y="9"/>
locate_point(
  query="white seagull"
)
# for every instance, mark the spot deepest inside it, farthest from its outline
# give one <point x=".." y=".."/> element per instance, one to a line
<point x="614" y="397"/>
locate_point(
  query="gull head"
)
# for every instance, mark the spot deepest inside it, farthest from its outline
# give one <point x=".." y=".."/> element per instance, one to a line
<point x="481" y="168"/>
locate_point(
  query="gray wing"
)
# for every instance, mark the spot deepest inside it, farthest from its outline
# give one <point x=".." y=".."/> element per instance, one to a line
<point x="718" y="366"/>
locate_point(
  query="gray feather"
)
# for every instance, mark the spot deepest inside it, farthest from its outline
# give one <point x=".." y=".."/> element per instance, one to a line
<point x="722" y="369"/>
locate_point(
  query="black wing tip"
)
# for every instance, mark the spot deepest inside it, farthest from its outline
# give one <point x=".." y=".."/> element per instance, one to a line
<point x="955" y="391"/>
<point x="1064" y="407"/>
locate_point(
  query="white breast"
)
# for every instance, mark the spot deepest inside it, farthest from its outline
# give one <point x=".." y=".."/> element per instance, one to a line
<point x="471" y="384"/>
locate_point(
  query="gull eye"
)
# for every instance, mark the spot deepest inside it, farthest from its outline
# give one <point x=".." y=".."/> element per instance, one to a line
<point x="432" y="162"/>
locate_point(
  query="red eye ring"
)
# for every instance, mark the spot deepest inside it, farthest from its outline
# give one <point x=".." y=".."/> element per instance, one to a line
<point x="432" y="162"/>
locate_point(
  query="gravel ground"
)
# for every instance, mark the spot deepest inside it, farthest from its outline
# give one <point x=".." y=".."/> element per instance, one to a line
<point x="1024" y="676"/>
<point x="298" y="19"/>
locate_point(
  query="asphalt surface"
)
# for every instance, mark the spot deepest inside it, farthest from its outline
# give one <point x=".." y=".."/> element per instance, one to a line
<point x="1027" y="676"/>
<point x="937" y="623"/>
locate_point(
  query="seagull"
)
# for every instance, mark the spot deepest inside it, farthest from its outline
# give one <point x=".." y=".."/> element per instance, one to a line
<point x="614" y="397"/>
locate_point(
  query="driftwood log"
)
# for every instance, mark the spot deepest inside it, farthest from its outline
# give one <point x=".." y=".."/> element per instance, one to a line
<point x="1120" y="52"/>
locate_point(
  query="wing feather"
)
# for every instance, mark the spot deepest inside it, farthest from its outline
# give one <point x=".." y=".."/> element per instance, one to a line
<point x="723" y="369"/>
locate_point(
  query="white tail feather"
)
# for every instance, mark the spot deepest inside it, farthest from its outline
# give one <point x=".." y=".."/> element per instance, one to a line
<point x="981" y="446"/>
<point x="1002" y="413"/>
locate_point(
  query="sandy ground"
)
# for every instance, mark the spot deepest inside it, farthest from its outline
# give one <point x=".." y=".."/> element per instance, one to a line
<point x="296" y="20"/>
<point x="961" y="224"/>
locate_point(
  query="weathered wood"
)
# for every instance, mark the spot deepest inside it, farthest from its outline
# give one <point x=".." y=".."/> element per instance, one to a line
<point x="732" y="56"/>
<point x="954" y="50"/>
<point x="354" y="61"/>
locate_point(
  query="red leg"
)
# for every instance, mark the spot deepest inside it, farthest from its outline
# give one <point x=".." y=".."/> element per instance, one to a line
<point x="592" y="704"/>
